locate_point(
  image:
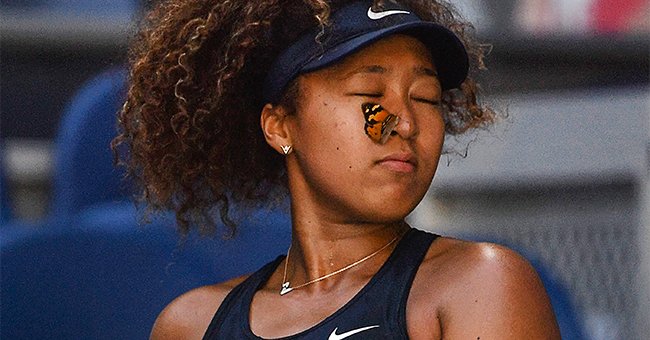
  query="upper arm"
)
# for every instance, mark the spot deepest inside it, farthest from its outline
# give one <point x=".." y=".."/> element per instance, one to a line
<point x="188" y="316"/>
<point x="499" y="297"/>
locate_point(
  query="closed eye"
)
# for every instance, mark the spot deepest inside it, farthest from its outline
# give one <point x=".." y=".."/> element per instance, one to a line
<point x="371" y="95"/>
<point x="433" y="102"/>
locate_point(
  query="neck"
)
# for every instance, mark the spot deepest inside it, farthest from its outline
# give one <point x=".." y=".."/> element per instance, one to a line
<point x="328" y="235"/>
<point x="319" y="249"/>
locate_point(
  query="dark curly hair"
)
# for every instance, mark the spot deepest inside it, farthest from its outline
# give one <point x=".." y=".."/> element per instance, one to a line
<point x="189" y="130"/>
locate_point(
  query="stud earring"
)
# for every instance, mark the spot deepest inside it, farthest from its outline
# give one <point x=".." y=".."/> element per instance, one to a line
<point x="286" y="149"/>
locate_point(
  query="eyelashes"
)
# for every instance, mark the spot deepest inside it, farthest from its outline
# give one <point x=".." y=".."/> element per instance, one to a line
<point x="433" y="102"/>
<point x="369" y="95"/>
<point x="436" y="103"/>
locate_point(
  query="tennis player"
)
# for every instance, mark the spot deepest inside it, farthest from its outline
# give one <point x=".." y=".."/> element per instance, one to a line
<point x="343" y="106"/>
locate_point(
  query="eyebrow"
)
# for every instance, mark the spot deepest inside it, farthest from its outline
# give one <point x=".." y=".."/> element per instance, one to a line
<point x="421" y="70"/>
<point x="366" y="69"/>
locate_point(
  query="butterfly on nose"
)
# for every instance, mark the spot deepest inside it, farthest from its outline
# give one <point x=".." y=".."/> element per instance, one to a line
<point x="379" y="123"/>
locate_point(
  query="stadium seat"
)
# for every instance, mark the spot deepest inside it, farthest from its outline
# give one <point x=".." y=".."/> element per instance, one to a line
<point x="6" y="211"/>
<point x="84" y="174"/>
<point x="108" y="277"/>
<point x="92" y="270"/>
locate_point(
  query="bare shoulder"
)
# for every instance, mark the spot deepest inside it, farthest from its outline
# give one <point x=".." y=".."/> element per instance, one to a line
<point x="485" y="291"/>
<point x="188" y="316"/>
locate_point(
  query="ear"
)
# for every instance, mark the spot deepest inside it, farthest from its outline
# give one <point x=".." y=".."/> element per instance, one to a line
<point x="274" y="121"/>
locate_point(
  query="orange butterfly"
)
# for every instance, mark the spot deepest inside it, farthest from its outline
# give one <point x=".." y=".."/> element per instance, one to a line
<point x="379" y="122"/>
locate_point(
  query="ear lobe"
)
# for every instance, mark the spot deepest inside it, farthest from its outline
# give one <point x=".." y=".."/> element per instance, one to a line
<point x="273" y="121"/>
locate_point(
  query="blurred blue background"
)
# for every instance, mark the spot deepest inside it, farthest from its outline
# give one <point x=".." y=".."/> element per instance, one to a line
<point x="563" y="179"/>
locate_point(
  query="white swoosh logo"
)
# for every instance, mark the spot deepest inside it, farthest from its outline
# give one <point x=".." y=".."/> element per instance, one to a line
<point x="335" y="336"/>
<point x="378" y="15"/>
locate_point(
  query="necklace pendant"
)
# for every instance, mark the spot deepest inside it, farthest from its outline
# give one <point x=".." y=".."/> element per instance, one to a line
<point x="285" y="288"/>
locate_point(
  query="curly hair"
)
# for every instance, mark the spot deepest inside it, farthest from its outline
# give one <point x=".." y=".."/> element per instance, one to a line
<point x="189" y="129"/>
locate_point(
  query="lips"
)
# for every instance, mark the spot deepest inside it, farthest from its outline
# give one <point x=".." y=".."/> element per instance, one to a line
<point x="399" y="162"/>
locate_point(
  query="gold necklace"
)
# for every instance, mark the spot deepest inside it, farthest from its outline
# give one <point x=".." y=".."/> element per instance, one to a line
<point x="285" y="286"/>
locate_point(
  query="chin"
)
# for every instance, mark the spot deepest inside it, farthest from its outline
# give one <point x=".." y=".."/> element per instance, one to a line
<point x="390" y="212"/>
<point x="404" y="198"/>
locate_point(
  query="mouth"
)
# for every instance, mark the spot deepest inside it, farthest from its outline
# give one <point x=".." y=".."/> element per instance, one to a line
<point x="404" y="162"/>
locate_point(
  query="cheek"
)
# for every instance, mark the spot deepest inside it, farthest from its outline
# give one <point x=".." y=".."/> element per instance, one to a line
<point x="435" y="141"/>
<point x="335" y="128"/>
<point x="330" y="134"/>
<point x="343" y="146"/>
<point x="429" y="144"/>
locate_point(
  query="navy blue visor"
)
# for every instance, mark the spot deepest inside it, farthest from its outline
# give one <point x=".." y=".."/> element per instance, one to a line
<point x="355" y="26"/>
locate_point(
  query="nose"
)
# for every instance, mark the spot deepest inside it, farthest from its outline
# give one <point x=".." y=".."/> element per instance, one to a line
<point x="406" y="128"/>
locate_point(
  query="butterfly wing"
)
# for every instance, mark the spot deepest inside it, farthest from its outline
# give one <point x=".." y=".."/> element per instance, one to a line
<point x="379" y="122"/>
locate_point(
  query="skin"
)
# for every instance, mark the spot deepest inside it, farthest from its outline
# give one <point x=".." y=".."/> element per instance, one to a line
<point x="349" y="198"/>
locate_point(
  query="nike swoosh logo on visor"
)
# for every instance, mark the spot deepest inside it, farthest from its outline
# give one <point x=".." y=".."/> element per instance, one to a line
<point x="378" y="15"/>
<point x="335" y="336"/>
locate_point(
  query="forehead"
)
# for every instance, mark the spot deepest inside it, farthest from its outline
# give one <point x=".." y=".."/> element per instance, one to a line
<point x="399" y="50"/>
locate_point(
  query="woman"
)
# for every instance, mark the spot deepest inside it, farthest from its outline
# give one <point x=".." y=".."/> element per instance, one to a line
<point x="353" y="99"/>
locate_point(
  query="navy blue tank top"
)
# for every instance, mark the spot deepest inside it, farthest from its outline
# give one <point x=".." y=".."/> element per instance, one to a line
<point x="377" y="311"/>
